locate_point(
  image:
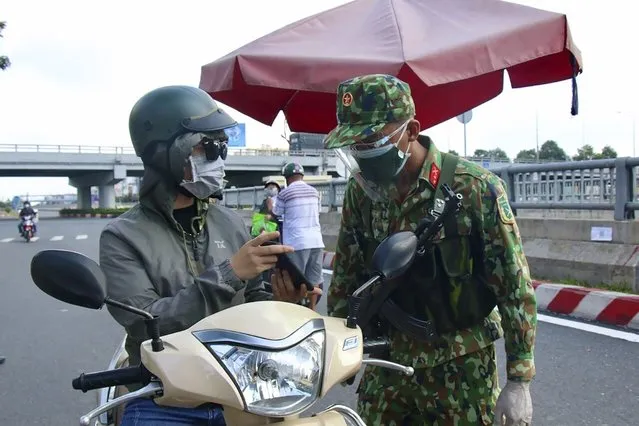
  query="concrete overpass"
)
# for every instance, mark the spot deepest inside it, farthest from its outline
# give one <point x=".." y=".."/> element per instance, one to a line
<point x="89" y="166"/>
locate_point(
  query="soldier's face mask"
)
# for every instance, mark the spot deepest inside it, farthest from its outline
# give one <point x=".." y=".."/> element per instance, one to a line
<point x="207" y="168"/>
<point x="376" y="165"/>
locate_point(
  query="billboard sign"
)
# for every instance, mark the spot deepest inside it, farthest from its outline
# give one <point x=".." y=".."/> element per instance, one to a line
<point x="15" y="202"/>
<point x="237" y="136"/>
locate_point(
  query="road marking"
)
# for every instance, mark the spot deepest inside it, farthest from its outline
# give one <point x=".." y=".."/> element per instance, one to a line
<point x="81" y="237"/>
<point x="617" y="334"/>
<point x="591" y="328"/>
<point x="57" y="238"/>
<point x="35" y="238"/>
<point x="7" y="240"/>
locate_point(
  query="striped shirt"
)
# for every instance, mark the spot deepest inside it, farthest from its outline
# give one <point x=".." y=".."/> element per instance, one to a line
<point x="298" y="205"/>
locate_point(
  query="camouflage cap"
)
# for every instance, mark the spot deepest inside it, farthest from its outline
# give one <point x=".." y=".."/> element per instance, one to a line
<point x="365" y="104"/>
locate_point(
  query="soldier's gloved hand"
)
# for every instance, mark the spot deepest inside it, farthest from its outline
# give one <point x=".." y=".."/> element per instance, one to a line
<point x="514" y="405"/>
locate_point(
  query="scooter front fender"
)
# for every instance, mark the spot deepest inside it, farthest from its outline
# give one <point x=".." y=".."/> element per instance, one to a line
<point x="335" y="415"/>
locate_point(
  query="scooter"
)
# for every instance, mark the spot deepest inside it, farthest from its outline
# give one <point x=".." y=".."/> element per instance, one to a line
<point x="27" y="226"/>
<point x="266" y="370"/>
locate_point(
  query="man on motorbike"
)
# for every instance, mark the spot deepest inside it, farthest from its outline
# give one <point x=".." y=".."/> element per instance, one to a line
<point x="26" y="210"/>
<point x="476" y="263"/>
<point x="176" y="254"/>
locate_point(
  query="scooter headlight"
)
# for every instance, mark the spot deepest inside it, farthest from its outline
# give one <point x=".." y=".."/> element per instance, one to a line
<point x="276" y="383"/>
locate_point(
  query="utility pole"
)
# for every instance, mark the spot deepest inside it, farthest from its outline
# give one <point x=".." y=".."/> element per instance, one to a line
<point x="465" y="119"/>
<point x="537" y="133"/>
<point x="634" y="145"/>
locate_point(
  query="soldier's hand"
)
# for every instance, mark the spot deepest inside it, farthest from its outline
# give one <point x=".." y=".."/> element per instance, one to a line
<point x="514" y="405"/>
<point x="254" y="258"/>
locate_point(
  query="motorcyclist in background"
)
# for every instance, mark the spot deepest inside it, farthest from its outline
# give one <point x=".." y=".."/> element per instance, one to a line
<point x="27" y="210"/>
<point x="175" y="254"/>
<point x="264" y="219"/>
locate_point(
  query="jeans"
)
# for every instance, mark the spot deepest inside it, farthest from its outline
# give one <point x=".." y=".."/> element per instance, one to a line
<point x="145" y="412"/>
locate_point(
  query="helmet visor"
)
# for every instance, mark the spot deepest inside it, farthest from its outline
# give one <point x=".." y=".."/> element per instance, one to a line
<point x="215" y="120"/>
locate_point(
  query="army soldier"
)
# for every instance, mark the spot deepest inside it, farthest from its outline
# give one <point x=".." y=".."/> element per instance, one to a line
<point x="474" y="265"/>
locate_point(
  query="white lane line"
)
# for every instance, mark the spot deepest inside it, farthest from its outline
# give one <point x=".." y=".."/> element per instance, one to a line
<point x="7" y="240"/>
<point x="81" y="237"/>
<point x="591" y="328"/>
<point x="57" y="238"/>
<point x="35" y="238"/>
<point x="617" y="334"/>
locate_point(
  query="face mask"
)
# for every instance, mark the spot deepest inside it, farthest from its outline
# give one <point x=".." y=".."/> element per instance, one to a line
<point x="270" y="192"/>
<point x="208" y="177"/>
<point x="382" y="165"/>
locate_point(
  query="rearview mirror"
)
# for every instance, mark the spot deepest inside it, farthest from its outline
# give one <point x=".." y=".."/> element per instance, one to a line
<point x="69" y="277"/>
<point x="395" y="254"/>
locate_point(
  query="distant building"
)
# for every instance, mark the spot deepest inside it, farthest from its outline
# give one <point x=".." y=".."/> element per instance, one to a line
<point x="128" y="188"/>
<point x="306" y="141"/>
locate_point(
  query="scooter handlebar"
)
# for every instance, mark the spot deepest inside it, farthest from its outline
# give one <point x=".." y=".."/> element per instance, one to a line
<point x="119" y="377"/>
<point x="376" y="345"/>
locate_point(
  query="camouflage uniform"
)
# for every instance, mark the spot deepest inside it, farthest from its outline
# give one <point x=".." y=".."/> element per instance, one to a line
<point x="456" y="381"/>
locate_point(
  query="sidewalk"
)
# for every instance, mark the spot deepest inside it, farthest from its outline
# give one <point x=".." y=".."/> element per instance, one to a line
<point x="591" y="304"/>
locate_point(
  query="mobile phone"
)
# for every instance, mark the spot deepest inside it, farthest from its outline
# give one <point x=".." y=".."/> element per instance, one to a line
<point x="284" y="263"/>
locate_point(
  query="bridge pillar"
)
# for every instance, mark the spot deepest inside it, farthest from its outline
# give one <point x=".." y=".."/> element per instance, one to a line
<point x="105" y="182"/>
<point x="84" y="197"/>
<point x="107" y="196"/>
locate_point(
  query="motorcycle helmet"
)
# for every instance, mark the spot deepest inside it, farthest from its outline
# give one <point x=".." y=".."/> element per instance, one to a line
<point x="291" y="169"/>
<point x="165" y="113"/>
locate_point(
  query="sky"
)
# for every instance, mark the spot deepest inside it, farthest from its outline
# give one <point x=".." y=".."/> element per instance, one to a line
<point x="78" y="67"/>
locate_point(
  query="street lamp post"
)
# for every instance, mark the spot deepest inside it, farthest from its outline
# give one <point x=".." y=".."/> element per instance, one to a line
<point x="634" y="122"/>
<point x="537" y="133"/>
<point x="634" y="145"/>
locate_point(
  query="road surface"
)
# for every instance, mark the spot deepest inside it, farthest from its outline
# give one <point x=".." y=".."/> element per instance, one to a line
<point x="583" y="378"/>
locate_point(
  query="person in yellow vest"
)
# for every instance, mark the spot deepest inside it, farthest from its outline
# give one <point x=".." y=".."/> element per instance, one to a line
<point x="263" y="220"/>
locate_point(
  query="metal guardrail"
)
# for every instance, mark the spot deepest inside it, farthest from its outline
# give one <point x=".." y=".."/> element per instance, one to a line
<point x="88" y="149"/>
<point x="67" y="149"/>
<point x="609" y="184"/>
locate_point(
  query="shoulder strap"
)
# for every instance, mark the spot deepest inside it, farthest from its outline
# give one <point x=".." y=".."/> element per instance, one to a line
<point x="449" y="165"/>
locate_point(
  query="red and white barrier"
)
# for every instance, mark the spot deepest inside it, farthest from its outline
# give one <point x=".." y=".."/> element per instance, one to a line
<point x="589" y="303"/>
<point x="585" y="303"/>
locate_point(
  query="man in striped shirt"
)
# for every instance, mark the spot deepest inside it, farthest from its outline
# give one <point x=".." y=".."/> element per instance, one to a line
<point x="298" y="206"/>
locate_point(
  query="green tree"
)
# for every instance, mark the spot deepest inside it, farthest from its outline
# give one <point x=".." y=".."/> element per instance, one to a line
<point x="606" y="152"/>
<point x="551" y="151"/>
<point x="495" y="154"/>
<point x="498" y="154"/>
<point x="452" y="151"/>
<point x="4" y="60"/>
<point x="527" y="154"/>
<point x="586" y="152"/>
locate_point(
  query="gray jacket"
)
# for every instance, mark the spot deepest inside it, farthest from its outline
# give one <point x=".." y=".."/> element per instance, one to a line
<point x="150" y="262"/>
